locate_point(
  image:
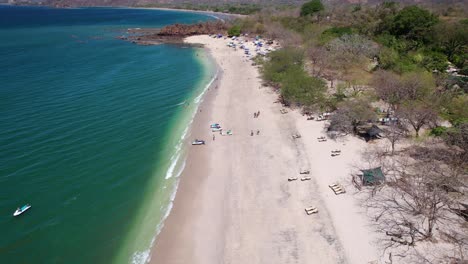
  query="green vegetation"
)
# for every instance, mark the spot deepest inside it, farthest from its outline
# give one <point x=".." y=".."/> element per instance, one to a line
<point x="234" y="31"/>
<point x="232" y="8"/>
<point x="285" y="69"/>
<point x="311" y="8"/>
<point x="402" y="52"/>
<point x="411" y="23"/>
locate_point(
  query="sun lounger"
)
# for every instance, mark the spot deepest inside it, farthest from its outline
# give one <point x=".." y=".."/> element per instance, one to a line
<point x="322" y="140"/>
<point x="296" y="136"/>
<point x="336" y="151"/>
<point x="306" y="179"/>
<point x="304" y="172"/>
<point x="311" y="210"/>
<point x="292" y="179"/>
<point x="322" y="137"/>
<point x="283" y="111"/>
<point x="335" y="154"/>
<point x="337" y="188"/>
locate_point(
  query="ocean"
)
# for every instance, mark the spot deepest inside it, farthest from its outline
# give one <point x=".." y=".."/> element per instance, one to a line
<point x="92" y="131"/>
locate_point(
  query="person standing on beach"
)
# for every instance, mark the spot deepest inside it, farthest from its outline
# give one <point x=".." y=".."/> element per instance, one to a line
<point x="258" y="132"/>
<point x="258" y="113"/>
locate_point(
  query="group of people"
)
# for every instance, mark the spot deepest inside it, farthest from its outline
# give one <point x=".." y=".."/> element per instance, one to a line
<point x="252" y="133"/>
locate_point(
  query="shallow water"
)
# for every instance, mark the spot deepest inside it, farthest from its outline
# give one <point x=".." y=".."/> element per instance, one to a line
<point x="87" y="131"/>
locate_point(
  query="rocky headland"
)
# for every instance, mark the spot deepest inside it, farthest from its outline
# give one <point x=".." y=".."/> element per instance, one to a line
<point x="173" y="33"/>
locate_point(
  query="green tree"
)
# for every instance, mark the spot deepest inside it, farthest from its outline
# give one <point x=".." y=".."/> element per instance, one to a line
<point x="234" y="31"/>
<point x="300" y="88"/>
<point x="311" y="8"/>
<point x="452" y="39"/>
<point x="435" y="61"/>
<point x="413" y="23"/>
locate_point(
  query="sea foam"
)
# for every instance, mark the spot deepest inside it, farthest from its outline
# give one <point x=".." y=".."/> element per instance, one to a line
<point x="142" y="257"/>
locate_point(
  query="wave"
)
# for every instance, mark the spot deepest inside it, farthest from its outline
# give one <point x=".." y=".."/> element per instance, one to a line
<point x="141" y="257"/>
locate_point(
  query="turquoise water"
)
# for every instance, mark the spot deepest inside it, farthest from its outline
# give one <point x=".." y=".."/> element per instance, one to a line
<point x="90" y="132"/>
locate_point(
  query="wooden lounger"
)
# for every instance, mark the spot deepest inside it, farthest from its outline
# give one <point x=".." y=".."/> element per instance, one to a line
<point x="306" y="179"/>
<point x="311" y="210"/>
<point x="296" y="136"/>
<point x="337" y="188"/>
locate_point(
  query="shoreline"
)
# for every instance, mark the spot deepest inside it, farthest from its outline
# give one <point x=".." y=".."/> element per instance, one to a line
<point x="158" y="203"/>
<point x="234" y="203"/>
<point x="217" y="15"/>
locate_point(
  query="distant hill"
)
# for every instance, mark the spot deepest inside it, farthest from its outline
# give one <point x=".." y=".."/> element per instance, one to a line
<point x="195" y="4"/>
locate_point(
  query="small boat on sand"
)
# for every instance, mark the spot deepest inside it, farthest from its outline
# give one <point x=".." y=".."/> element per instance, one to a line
<point x="21" y="210"/>
<point x="198" y="142"/>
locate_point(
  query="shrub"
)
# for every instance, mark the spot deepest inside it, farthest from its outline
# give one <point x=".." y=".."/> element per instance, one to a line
<point x="438" y="131"/>
<point x="311" y="7"/>
<point x="234" y="31"/>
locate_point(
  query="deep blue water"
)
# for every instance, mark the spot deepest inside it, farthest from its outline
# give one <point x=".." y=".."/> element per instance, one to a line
<point x="84" y="123"/>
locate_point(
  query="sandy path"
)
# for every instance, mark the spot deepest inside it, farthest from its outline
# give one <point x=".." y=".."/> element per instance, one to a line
<point x="234" y="203"/>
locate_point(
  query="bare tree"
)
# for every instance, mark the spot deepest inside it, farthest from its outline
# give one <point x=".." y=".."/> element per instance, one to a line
<point x="395" y="89"/>
<point x="417" y="114"/>
<point x="413" y="201"/>
<point x="388" y="87"/>
<point x="351" y="49"/>
<point x="394" y="133"/>
<point x="350" y="115"/>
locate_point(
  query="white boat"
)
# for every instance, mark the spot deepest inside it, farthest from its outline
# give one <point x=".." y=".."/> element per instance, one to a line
<point x="21" y="210"/>
<point x="198" y="142"/>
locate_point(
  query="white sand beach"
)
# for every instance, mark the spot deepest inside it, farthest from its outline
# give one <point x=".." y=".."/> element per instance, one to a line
<point x="235" y="203"/>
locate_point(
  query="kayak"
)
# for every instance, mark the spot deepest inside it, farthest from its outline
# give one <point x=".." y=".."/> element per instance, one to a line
<point x="21" y="210"/>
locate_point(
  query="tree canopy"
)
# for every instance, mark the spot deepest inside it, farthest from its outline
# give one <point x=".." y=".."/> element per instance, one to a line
<point x="413" y="23"/>
<point x="311" y="7"/>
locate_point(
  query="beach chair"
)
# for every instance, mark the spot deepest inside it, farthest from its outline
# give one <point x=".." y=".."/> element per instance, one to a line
<point x="337" y="188"/>
<point x="311" y="210"/>
<point x="306" y="179"/>
<point x="335" y="154"/>
<point x="292" y="179"/>
<point x="304" y="172"/>
<point x="296" y="136"/>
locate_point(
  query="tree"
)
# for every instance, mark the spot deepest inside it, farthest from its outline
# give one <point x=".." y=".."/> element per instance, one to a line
<point x="394" y="133"/>
<point x="234" y="31"/>
<point x="417" y="114"/>
<point x="452" y="38"/>
<point x="388" y="87"/>
<point x="349" y="48"/>
<point x="413" y="200"/>
<point x="298" y="87"/>
<point x="311" y="8"/>
<point x="413" y="23"/>
<point x="435" y="61"/>
<point x="350" y="114"/>
<point x="395" y="89"/>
